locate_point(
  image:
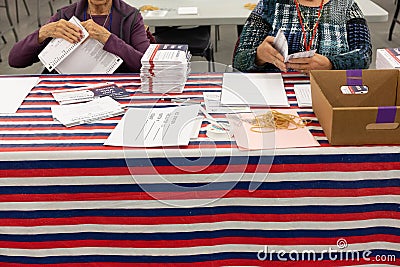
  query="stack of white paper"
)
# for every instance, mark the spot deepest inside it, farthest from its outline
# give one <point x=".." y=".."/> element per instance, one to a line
<point x="388" y="58"/>
<point x="165" y="68"/>
<point x="95" y="110"/>
<point x="303" y="95"/>
<point x="253" y="89"/>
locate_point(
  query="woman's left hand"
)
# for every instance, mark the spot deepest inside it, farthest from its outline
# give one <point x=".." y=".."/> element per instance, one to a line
<point x="96" y="31"/>
<point x="305" y="65"/>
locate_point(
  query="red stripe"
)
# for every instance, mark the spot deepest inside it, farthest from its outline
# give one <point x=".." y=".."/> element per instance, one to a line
<point x="392" y="54"/>
<point x="152" y="58"/>
<point x="202" y="194"/>
<point x="235" y="217"/>
<point x="61" y="128"/>
<point x="279" y="168"/>
<point x="329" y="242"/>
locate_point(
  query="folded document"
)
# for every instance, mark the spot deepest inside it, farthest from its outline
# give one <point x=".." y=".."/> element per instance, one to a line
<point x="95" y="110"/>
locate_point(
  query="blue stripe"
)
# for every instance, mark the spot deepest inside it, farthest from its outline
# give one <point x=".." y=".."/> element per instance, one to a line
<point x="265" y="210"/>
<point x="104" y="163"/>
<point x="195" y="161"/>
<point x="198" y="187"/>
<point x="49" y="101"/>
<point x="203" y="234"/>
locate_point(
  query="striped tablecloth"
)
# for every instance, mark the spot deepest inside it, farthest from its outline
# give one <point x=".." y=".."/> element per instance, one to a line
<point x="67" y="200"/>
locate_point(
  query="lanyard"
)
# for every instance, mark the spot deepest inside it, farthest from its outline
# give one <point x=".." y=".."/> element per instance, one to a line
<point x="307" y="45"/>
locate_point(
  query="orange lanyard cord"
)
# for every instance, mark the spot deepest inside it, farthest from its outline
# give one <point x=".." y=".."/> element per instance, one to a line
<point x="308" y="45"/>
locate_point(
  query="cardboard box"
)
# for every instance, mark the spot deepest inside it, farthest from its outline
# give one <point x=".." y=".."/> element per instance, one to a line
<point x="358" y="119"/>
<point x="387" y="58"/>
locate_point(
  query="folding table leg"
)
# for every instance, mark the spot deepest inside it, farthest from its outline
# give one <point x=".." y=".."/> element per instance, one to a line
<point x="10" y="20"/>
<point x="38" y="12"/>
<point x="394" y="21"/>
<point x="17" y="9"/>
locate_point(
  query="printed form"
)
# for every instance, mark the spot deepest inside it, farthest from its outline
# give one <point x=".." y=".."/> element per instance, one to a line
<point x="86" y="56"/>
<point x="155" y="127"/>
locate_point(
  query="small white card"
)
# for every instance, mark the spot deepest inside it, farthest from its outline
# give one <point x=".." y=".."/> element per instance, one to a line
<point x="212" y="101"/>
<point x="189" y="10"/>
<point x="303" y="95"/>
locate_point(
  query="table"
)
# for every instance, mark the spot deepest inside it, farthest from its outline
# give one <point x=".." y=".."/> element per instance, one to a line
<point x="67" y="200"/>
<point x="228" y="12"/>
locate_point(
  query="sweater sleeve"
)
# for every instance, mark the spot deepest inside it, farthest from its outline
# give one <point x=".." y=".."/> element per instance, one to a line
<point x="359" y="41"/>
<point x="253" y="34"/>
<point x="25" y="52"/>
<point x="131" y="53"/>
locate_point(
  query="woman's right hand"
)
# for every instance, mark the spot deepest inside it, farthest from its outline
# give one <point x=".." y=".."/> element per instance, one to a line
<point x="266" y="53"/>
<point x="60" y="29"/>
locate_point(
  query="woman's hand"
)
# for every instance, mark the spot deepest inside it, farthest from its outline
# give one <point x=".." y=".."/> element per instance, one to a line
<point x="267" y="53"/>
<point x="96" y="31"/>
<point x="304" y="65"/>
<point x="60" y="29"/>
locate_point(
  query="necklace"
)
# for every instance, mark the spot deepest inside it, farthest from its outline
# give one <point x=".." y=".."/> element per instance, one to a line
<point x="304" y="26"/>
<point x="105" y="22"/>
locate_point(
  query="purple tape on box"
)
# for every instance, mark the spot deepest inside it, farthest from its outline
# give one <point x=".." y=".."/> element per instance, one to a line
<point x="386" y="114"/>
<point x="354" y="77"/>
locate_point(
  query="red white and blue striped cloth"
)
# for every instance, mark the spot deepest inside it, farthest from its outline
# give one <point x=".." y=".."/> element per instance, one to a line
<point x="67" y="200"/>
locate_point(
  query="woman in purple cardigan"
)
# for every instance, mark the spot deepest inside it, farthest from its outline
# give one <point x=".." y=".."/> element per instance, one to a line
<point x="114" y="23"/>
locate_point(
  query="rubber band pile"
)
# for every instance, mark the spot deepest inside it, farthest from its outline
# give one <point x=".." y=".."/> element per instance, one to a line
<point x="148" y="8"/>
<point x="250" y="6"/>
<point x="273" y="119"/>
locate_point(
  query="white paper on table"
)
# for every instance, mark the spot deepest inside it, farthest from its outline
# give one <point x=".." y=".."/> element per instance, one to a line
<point x="58" y="49"/>
<point x="90" y="57"/>
<point x="196" y="126"/>
<point x="212" y="101"/>
<point x="88" y="112"/>
<point x="253" y="89"/>
<point x="303" y="95"/>
<point x="15" y="89"/>
<point x="155" y="127"/>
<point x="156" y="13"/>
<point x="189" y="10"/>
<point x="280" y="138"/>
<point x="281" y="44"/>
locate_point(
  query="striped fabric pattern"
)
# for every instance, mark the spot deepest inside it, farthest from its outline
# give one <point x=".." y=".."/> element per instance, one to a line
<point x="67" y="200"/>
